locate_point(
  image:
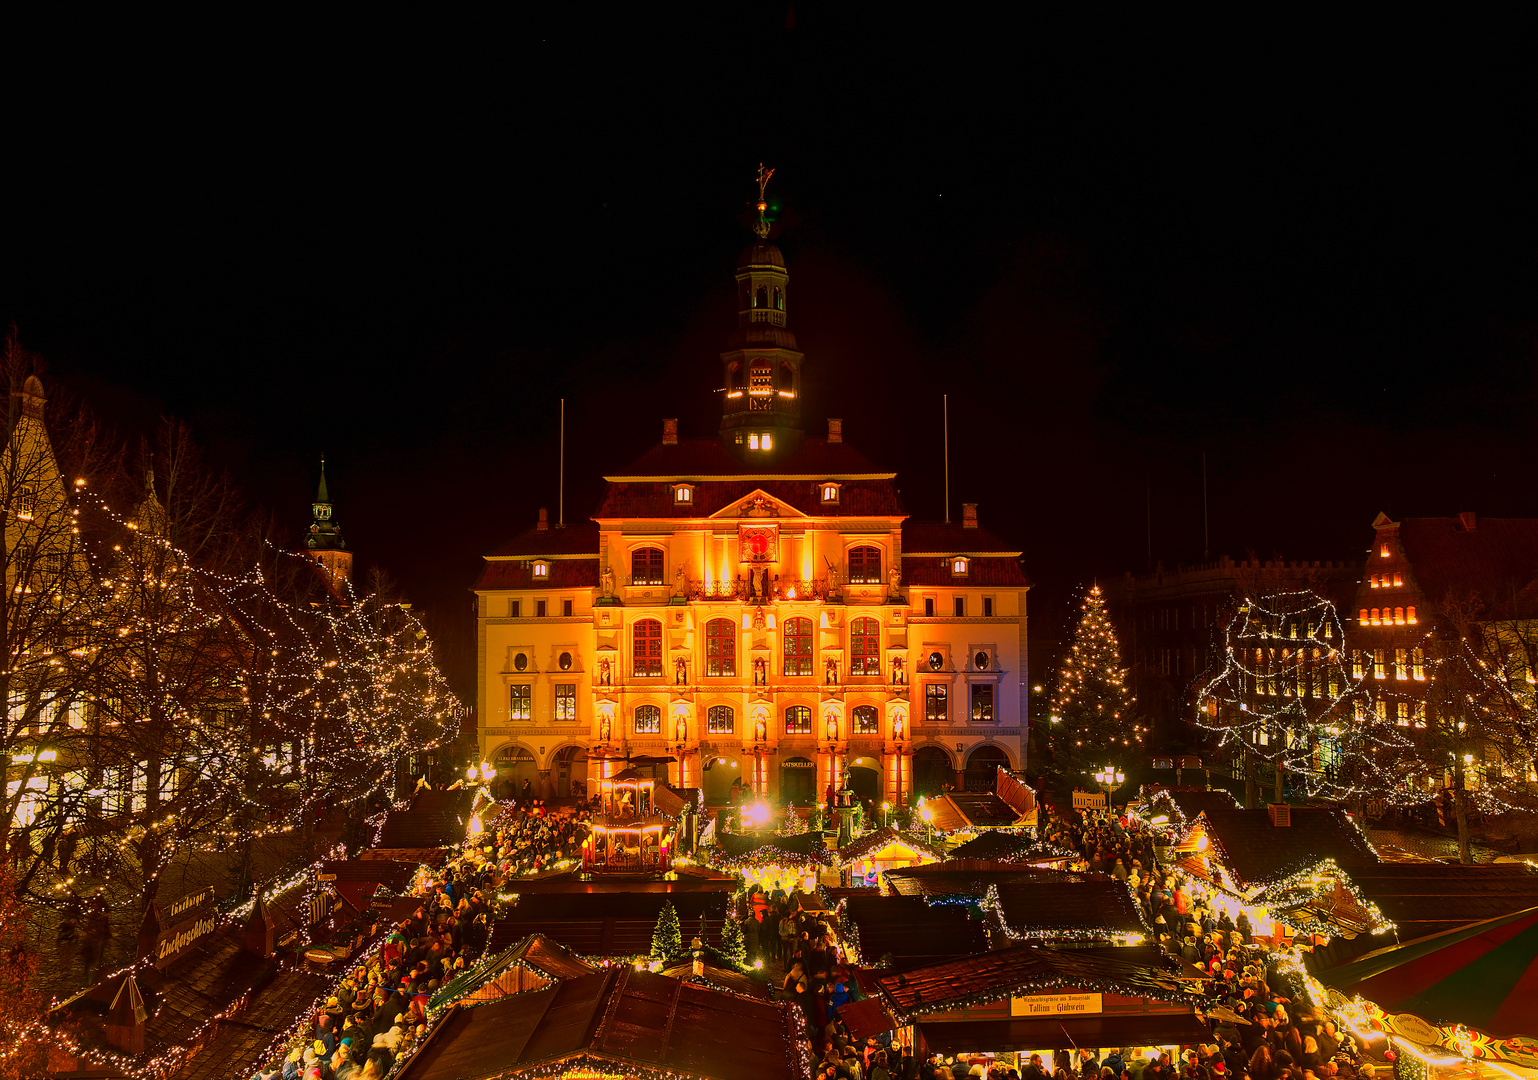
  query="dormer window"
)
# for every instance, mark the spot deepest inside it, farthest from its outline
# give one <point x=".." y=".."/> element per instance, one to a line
<point x="830" y="494"/>
<point x="683" y="494"/>
<point x="959" y="566"/>
<point x="763" y="441"/>
<point x="542" y="571"/>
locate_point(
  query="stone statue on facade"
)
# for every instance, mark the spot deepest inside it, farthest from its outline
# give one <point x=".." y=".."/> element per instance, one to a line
<point x="680" y="671"/>
<point x="760" y="671"/>
<point x="899" y="676"/>
<point x="606" y="582"/>
<point x="895" y="582"/>
<point x="832" y="672"/>
<point x="604" y="673"/>
<point x="680" y="583"/>
<point x="759" y="732"/>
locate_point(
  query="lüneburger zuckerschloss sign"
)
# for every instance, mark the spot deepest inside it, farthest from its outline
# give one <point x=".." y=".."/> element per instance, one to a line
<point x="183" y="924"/>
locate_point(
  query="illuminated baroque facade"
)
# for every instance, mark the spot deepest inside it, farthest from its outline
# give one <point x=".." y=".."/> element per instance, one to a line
<point x="755" y="604"/>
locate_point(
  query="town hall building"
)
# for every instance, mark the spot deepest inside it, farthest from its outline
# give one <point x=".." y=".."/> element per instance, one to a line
<point x="755" y="604"/>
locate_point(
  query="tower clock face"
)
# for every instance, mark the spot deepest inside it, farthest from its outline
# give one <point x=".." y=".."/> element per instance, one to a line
<point x="322" y="511"/>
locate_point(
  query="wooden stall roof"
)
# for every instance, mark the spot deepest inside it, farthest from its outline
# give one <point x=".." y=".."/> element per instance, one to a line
<point x="1187" y="803"/>
<point x="1429" y="898"/>
<point x="1063" y="1032"/>
<point x="721" y="978"/>
<point x="958" y="810"/>
<point x="535" y="951"/>
<point x="860" y="847"/>
<point x="1026" y="969"/>
<point x="607" y="923"/>
<point x="393" y="874"/>
<point x="614" y="1021"/>
<point x="801" y="849"/>
<point x="1258" y="852"/>
<point x="996" y="845"/>
<point x="912" y="931"/>
<point x="1063" y="902"/>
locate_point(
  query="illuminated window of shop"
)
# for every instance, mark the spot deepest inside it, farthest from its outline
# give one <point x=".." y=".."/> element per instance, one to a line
<point x="798" y="720"/>
<point x="519" y="703"/>
<point x="798" y="646"/>
<point x="720" y="648"/>
<point x="867" y="720"/>
<point x="720" y="720"/>
<point x="865" y="647"/>
<point x="646" y="647"/>
<point x="648" y="720"/>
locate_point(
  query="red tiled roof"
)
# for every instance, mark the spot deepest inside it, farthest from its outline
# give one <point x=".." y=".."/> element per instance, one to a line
<point x="568" y="540"/>
<point x="690" y="458"/>
<point x="949" y="538"/>
<point x="518" y="574"/>
<point x="1494" y="561"/>
<point x="857" y="498"/>
<point x="936" y="570"/>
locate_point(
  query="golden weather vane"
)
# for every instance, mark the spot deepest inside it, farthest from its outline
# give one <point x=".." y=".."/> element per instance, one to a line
<point x="761" y="227"/>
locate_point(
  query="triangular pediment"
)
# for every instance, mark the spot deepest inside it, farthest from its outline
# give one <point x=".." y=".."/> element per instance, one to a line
<point x="758" y="504"/>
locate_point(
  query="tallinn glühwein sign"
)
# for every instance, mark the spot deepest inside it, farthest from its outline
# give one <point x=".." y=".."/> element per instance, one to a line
<point x="169" y="932"/>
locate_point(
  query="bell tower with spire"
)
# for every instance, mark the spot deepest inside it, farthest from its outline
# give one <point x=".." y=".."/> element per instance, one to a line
<point x="761" y="413"/>
<point x="324" y="543"/>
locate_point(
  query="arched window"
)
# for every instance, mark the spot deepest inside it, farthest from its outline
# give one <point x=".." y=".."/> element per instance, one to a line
<point x="779" y="299"/>
<point x="720" y="720"/>
<point x="798" y="720"/>
<point x="646" y="647"/>
<point x="1398" y="616"/>
<point x="761" y="297"/>
<point x="865" y="647"/>
<point x="648" y="720"/>
<point x="720" y="648"/>
<point x="865" y="566"/>
<point x="798" y="646"/>
<point x="1362" y="617"/>
<point x="867" y="720"/>
<point x="1376" y="617"/>
<point x="646" y="566"/>
<point x="1409" y="614"/>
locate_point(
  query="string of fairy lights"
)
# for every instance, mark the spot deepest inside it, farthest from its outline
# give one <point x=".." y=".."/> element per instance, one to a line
<point x="221" y="711"/>
<point x="1382" y="723"/>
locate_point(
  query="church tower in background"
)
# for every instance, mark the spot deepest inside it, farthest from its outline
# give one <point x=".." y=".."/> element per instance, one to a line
<point x="324" y="543"/>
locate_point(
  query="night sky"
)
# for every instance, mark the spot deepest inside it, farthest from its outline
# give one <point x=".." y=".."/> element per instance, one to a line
<point x="1306" y="249"/>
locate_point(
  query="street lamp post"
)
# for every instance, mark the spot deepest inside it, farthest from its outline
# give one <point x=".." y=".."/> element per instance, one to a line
<point x="1110" y="779"/>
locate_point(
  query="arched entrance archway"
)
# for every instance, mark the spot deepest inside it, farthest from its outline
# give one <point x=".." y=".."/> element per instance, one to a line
<point x="932" y="770"/>
<point x="514" y="765"/>
<point x="982" y="765"/>
<point x="570" y="766"/>
<point x="720" y="769"/>
<point x="798" y="781"/>
<point x="865" y="778"/>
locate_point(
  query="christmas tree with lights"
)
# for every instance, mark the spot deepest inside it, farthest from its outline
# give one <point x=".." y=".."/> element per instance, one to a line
<point x="1092" y="717"/>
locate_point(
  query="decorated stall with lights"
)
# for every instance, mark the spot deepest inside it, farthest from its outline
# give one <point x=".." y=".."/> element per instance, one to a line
<point x="771" y="861"/>
<point x="629" y="835"/>
<point x="865" y="859"/>
<point x="962" y="815"/>
<point x="1285" y="868"/>
<point x="1002" y="1006"/>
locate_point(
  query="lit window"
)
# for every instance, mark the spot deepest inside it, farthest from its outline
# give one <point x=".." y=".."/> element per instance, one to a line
<point x="936" y="703"/>
<point x="1379" y="667"/>
<point x="867" y="720"/>
<point x="865" y="647"/>
<point x="982" y="703"/>
<point x="1418" y="713"/>
<point x="1362" y="618"/>
<point x="720" y="720"/>
<point x="798" y="646"/>
<point x="761" y="442"/>
<point x="1402" y="713"/>
<point x="959" y="566"/>
<point x="830" y="493"/>
<point x="1373" y="581"/>
<point x="646" y="647"/>
<point x="683" y="493"/>
<point x="1401" y="669"/>
<point x="1398" y="616"/>
<point x="519" y="705"/>
<point x="26" y="501"/>
<point x="1398" y="579"/>
<point x="648" y="720"/>
<point x="566" y="701"/>
<point x="1381" y="708"/>
<point x="865" y="566"/>
<point x="1383" y="551"/>
<point x="1418" y="665"/>
<point x="1409" y="616"/>
<point x="798" y="720"/>
<point x="1356" y="665"/>
<point x="646" y="566"/>
<point x="720" y="648"/>
<point x="542" y="570"/>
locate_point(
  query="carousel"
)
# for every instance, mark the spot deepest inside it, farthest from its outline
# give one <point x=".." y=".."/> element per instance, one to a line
<point x="629" y="834"/>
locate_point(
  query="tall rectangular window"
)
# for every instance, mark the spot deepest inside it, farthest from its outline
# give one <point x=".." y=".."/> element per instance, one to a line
<point x="720" y="648"/>
<point x="929" y="606"/>
<point x="566" y="608"/>
<point x="1402" y="713"/>
<point x="987" y="607"/>
<point x="936" y="703"/>
<point x="566" y="701"/>
<point x="539" y="608"/>
<point x="520" y="702"/>
<point x="646" y="566"/>
<point x="961" y="607"/>
<point x="982" y="703"/>
<point x="1379" y="665"/>
<point x="646" y="647"/>
<point x="514" y="609"/>
<point x="1418" y="664"/>
<point x="648" y="720"/>
<point x="865" y="647"/>
<point x="865" y="565"/>
<point x="798" y="720"/>
<point x="798" y="646"/>
<point x="867" y="720"/>
<point x="1401" y="668"/>
<point x="720" y="720"/>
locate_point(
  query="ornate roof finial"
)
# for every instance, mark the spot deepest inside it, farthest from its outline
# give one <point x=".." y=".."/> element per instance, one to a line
<point x="761" y="227"/>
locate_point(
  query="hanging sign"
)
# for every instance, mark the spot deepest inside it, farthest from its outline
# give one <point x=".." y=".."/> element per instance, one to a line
<point x="184" y="924"/>
<point x="1056" y="1005"/>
